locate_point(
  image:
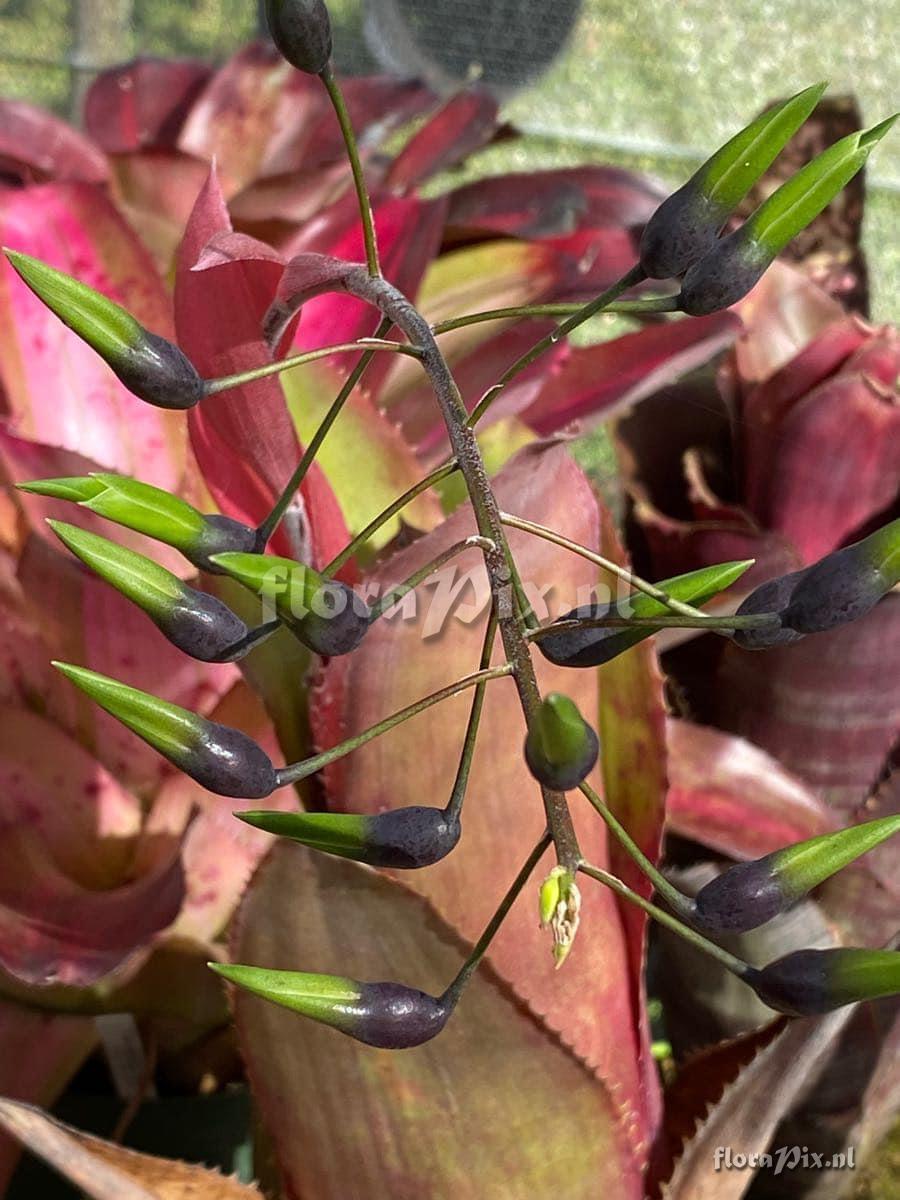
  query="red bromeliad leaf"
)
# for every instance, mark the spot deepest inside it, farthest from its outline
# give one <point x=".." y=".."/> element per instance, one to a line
<point x="826" y="707"/>
<point x="409" y="236"/>
<point x="523" y="1105"/>
<point x="233" y="118"/>
<point x="597" y="382"/>
<point x="751" y="1107"/>
<point x="80" y="619"/>
<point x="784" y="312"/>
<point x="553" y="203"/>
<point x="70" y="909"/>
<point x="107" y="1171"/>
<point x="764" y="405"/>
<point x="58" y="390"/>
<point x="155" y="189"/>
<point x="36" y="146"/>
<point x="377" y="104"/>
<point x="464" y="124"/>
<point x="142" y="103"/>
<point x="39" y="1053"/>
<point x="816" y="497"/>
<point x="22" y="460"/>
<point x="632" y="729"/>
<point x="676" y="546"/>
<point x="732" y="796"/>
<point x="402" y="660"/>
<point x="243" y="438"/>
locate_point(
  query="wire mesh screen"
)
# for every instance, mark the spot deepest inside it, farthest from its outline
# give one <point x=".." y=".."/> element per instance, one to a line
<point x="652" y="85"/>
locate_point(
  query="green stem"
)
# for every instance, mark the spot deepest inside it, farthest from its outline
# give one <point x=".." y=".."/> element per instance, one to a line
<point x="455" y="803"/>
<point x="635" y="275"/>
<point x="359" y="180"/>
<point x="451" y="995"/>
<point x="370" y="345"/>
<point x="302" y="770"/>
<point x="736" y="965"/>
<point x="676" y="900"/>
<point x="526" y="612"/>
<point x="649" y="304"/>
<point x="635" y="581"/>
<point x="268" y="527"/>
<point x="389" y="599"/>
<point x="388" y="514"/>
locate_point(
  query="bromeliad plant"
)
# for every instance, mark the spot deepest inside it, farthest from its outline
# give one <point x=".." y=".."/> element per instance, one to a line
<point x="307" y="594"/>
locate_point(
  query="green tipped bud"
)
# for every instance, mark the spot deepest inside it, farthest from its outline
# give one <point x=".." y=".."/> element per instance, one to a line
<point x="560" y="908"/>
<point x="847" y="584"/>
<point x="149" y="365"/>
<point x="387" y="1015"/>
<point x="198" y="624"/>
<point x="301" y="29"/>
<point x="151" y="511"/>
<point x="751" y="893"/>
<point x="594" y="645"/>
<point x="219" y="758"/>
<point x="561" y="748"/>
<point x="737" y="262"/>
<point x="324" y="614"/>
<point x="808" y="983"/>
<point x="686" y="225"/>
<point x="403" y="838"/>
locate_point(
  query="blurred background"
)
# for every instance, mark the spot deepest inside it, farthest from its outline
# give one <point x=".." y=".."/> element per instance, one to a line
<point x="585" y="80"/>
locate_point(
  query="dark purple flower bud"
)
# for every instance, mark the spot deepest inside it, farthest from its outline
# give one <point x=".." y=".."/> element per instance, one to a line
<point x="387" y="1015"/>
<point x="770" y="597"/>
<point x="808" y="983"/>
<point x="301" y="29"/>
<point x="404" y="838"/>
<point x="222" y="759"/>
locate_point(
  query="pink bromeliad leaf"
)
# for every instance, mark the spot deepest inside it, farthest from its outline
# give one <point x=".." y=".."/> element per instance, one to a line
<point x="142" y="103"/>
<point x="732" y="796"/>
<point x="39" y="1053"/>
<point x="58" y="390"/>
<point x="70" y="909"/>
<point x="553" y="203"/>
<point x="243" y="438"/>
<point x="496" y="1067"/>
<point x="36" y="146"/>
<point x="403" y="659"/>
<point x="466" y="122"/>
<point x="69" y="614"/>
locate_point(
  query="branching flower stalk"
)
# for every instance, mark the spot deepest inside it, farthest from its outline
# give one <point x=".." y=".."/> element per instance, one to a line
<point x="682" y="240"/>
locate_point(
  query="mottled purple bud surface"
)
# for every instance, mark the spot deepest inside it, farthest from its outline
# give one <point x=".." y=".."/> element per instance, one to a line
<point x="409" y="838"/>
<point x="394" y="1017"/>
<point x="160" y="373"/>
<point x="744" y="897"/>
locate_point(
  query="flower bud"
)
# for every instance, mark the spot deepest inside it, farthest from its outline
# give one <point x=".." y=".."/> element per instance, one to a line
<point x="324" y="614"/>
<point x="403" y="838"/>
<point x="219" y="758"/>
<point x="387" y="1015"/>
<point x="561" y="748"/>
<point x="736" y="263"/>
<point x="808" y="983"/>
<point x="151" y="511"/>
<point x="594" y="645"/>
<point x="301" y="29"/>
<point x="150" y="366"/>
<point x="770" y="597"/>
<point x="751" y="893"/>
<point x="846" y="584"/>
<point x="198" y="624"/>
<point x="560" y="910"/>
<point x="686" y="225"/>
